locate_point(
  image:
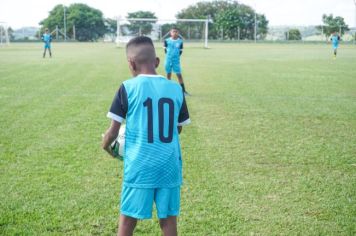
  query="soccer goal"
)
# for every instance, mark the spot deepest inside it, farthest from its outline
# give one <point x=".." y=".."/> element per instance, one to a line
<point x="4" y="34"/>
<point x="191" y="30"/>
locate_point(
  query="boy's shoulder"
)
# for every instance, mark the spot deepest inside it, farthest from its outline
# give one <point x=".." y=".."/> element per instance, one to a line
<point x="174" y="40"/>
<point x="149" y="78"/>
<point x="142" y="78"/>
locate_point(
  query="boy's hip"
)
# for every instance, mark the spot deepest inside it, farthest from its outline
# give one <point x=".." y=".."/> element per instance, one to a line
<point x="138" y="202"/>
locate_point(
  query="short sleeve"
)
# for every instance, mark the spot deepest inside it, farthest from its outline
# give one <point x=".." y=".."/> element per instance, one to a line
<point x="119" y="106"/>
<point x="183" y="118"/>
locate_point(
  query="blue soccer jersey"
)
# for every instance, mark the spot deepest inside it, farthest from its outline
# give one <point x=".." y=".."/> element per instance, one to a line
<point x="153" y="107"/>
<point x="335" y="40"/>
<point x="173" y="47"/>
<point x="47" y="38"/>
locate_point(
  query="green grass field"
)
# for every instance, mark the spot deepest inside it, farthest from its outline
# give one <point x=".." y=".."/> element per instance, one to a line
<point x="271" y="149"/>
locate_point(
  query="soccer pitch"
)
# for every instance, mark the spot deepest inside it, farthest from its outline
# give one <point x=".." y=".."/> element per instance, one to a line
<point x="270" y="151"/>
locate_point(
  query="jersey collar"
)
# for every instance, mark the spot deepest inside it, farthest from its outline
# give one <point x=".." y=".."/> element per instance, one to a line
<point x="146" y="75"/>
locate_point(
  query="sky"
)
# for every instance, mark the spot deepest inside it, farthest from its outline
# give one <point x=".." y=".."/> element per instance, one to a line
<point x="20" y="13"/>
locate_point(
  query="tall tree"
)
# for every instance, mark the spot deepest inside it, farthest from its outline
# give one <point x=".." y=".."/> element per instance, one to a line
<point x="11" y="33"/>
<point x="111" y="27"/>
<point x="333" y="24"/>
<point x="229" y="17"/>
<point x="293" y="34"/>
<point x="141" y="27"/>
<point x="54" y="19"/>
<point x="88" y="22"/>
<point x="202" y="10"/>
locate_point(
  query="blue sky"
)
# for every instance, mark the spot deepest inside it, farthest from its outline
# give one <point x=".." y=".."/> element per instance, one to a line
<point x="18" y="13"/>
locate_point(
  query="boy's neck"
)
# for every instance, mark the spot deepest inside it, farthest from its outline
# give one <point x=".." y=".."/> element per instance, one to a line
<point x="145" y="71"/>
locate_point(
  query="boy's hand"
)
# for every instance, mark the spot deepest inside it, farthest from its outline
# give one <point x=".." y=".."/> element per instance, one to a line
<point x="110" y="136"/>
<point x="109" y="150"/>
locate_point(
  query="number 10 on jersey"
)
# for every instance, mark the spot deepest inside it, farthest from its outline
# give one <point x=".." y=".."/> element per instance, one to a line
<point x="162" y="102"/>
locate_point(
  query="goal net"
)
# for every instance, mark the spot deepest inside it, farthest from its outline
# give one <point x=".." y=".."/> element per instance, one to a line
<point x="191" y="30"/>
<point x="4" y="34"/>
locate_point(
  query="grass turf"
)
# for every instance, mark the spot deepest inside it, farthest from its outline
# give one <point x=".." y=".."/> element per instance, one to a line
<point x="271" y="150"/>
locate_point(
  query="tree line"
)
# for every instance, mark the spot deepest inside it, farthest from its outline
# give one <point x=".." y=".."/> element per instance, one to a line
<point x="228" y="20"/>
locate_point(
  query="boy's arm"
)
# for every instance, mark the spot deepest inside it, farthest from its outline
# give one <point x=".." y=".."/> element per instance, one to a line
<point x="180" y="128"/>
<point x="181" y="49"/>
<point x="183" y="118"/>
<point x="110" y="136"/>
<point x="165" y="46"/>
<point x="117" y="114"/>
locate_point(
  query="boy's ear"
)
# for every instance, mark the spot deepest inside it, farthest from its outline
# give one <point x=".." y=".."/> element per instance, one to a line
<point x="157" y="62"/>
<point x="132" y="65"/>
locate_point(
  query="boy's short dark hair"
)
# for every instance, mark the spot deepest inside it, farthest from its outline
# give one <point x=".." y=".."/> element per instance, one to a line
<point x="140" y="40"/>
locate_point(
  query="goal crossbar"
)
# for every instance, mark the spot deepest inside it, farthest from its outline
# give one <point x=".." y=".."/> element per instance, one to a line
<point x="169" y="20"/>
<point x="206" y="21"/>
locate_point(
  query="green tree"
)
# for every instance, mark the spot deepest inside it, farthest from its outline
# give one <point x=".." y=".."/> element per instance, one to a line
<point x="54" y="19"/>
<point x="229" y="17"/>
<point x="111" y="27"/>
<point x="88" y="22"/>
<point x="141" y="27"/>
<point x="11" y="33"/>
<point x="202" y="10"/>
<point x="333" y="24"/>
<point x="165" y="28"/>
<point x="294" y="34"/>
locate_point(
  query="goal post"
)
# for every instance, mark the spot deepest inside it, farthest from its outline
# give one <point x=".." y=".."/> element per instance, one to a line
<point x="4" y="34"/>
<point x="190" y="29"/>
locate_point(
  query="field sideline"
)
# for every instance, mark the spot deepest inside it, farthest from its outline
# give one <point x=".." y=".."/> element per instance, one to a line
<point x="270" y="151"/>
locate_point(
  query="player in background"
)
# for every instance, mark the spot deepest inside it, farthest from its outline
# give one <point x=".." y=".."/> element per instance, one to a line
<point x="155" y="111"/>
<point x="47" y="39"/>
<point x="173" y="48"/>
<point x="335" y="39"/>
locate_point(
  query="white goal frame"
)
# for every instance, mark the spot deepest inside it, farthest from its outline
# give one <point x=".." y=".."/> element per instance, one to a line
<point x="4" y="34"/>
<point x="126" y="39"/>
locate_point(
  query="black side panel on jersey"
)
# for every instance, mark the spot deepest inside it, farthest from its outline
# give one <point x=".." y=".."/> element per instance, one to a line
<point x="183" y="113"/>
<point x="119" y="105"/>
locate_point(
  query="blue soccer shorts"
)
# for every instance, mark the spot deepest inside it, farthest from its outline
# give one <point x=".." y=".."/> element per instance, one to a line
<point x="47" y="46"/>
<point x="172" y="64"/>
<point x="335" y="46"/>
<point x="138" y="202"/>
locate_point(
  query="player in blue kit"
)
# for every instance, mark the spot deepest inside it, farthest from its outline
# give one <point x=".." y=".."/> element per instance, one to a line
<point x="47" y="39"/>
<point x="335" y="39"/>
<point x="155" y="111"/>
<point x="173" y="47"/>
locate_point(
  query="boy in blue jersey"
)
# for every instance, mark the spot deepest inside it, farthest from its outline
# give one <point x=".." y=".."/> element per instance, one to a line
<point x="47" y="38"/>
<point x="335" y="39"/>
<point x="173" y="48"/>
<point x="155" y="111"/>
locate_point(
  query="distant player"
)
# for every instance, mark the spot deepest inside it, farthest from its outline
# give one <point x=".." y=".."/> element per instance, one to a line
<point x="47" y="39"/>
<point x="335" y="39"/>
<point x="155" y="111"/>
<point x="173" y="47"/>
